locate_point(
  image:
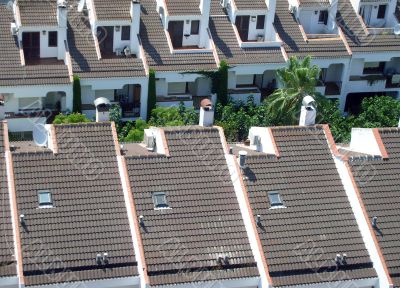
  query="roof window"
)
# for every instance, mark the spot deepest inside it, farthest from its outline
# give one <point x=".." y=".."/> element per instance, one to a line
<point x="275" y="200"/>
<point x="45" y="199"/>
<point x="160" y="200"/>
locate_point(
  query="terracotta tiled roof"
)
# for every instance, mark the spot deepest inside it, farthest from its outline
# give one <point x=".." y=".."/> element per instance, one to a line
<point x="356" y="36"/>
<point x="11" y="71"/>
<point x="228" y="47"/>
<point x="317" y="217"/>
<point x="7" y="252"/>
<point x="288" y="30"/>
<point x="113" y="10"/>
<point x="251" y="5"/>
<point x="378" y="182"/>
<point x="84" y="58"/>
<point x="88" y="217"/>
<point x="156" y="47"/>
<point x="38" y="12"/>
<point x="204" y="221"/>
<point x="183" y="7"/>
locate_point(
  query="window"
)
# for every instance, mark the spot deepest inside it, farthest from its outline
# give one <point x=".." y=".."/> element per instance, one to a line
<point x="260" y="21"/>
<point x="374" y="67"/>
<point x="381" y="12"/>
<point x="126" y="33"/>
<point x="194" y="29"/>
<point x="160" y="200"/>
<point x="323" y="17"/>
<point x="53" y="39"/>
<point x="44" y="198"/>
<point x="275" y="199"/>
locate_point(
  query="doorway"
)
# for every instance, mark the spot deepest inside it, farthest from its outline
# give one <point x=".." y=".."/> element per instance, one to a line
<point x="31" y="45"/>
<point x="175" y="29"/>
<point x="105" y="36"/>
<point x="242" y="25"/>
<point x="129" y="100"/>
<point x="365" y="12"/>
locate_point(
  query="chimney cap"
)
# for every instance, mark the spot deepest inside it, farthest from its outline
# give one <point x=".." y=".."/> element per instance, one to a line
<point x="308" y="101"/>
<point x="206" y="103"/>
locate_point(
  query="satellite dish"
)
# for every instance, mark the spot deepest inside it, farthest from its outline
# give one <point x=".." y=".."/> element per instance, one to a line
<point x="396" y="29"/>
<point x="40" y="135"/>
<point x="81" y="5"/>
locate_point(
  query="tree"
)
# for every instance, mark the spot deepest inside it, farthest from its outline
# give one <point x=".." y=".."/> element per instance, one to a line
<point x="299" y="79"/>
<point x="379" y="111"/>
<point x="152" y="96"/>
<point x="115" y="114"/>
<point x="137" y="133"/>
<point x="71" y="118"/>
<point x="329" y="113"/>
<point x="222" y="78"/>
<point x="77" y="97"/>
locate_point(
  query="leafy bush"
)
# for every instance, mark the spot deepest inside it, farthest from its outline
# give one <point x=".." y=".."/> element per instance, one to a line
<point x="71" y="118"/>
<point x="379" y="111"/>
<point x="136" y="134"/>
<point x="173" y="116"/>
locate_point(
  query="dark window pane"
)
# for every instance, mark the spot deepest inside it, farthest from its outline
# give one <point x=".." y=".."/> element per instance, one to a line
<point x="53" y="39"/>
<point x="126" y="33"/>
<point x="382" y="11"/>
<point x="323" y="17"/>
<point x="195" y="27"/>
<point x="260" y="21"/>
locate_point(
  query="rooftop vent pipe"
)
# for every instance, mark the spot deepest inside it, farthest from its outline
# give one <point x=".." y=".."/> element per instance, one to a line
<point x="141" y="220"/>
<point x="242" y="159"/>
<point x="258" y="220"/>
<point x="22" y="219"/>
<point x="375" y="222"/>
<point x="99" y="258"/>
<point x="105" y="258"/>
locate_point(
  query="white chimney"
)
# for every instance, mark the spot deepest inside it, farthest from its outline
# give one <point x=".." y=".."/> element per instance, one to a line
<point x="103" y="106"/>
<point x="62" y="13"/>
<point x="135" y="25"/>
<point x="308" y="112"/>
<point x="206" y="113"/>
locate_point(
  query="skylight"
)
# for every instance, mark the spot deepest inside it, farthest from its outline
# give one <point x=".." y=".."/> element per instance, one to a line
<point x="275" y="200"/>
<point x="44" y="198"/>
<point x="160" y="200"/>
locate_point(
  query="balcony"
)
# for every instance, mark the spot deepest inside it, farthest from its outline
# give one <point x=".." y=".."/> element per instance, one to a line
<point x="243" y="92"/>
<point x="329" y="88"/>
<point x="393" y="81"/>
<point x="175" y="100"/>
<point x="368" y="82"/>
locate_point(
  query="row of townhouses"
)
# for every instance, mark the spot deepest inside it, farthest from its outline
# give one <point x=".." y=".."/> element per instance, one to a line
<point x="112" y="45"/>
<point x="288" y="208"/>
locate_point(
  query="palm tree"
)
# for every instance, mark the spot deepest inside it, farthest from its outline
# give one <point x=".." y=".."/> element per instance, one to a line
<point x="298" y="79"/>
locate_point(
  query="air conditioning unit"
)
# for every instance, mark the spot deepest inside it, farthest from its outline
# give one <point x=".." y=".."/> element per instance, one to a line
<point x="149" y="140"/>
<point x="260" y="38"/>
<point x="127" y="51"/>
<point x="14" y="29"/>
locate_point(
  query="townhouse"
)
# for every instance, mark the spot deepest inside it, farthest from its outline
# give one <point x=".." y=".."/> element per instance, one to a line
<point x="374" y="171"/>
<point x="113" y="46"/>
